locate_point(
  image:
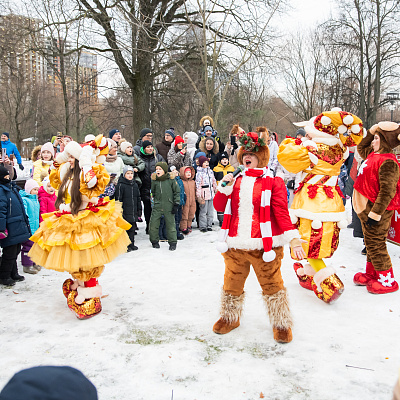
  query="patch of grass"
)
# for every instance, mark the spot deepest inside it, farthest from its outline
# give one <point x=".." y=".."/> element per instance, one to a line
<point x="152" y="336"/>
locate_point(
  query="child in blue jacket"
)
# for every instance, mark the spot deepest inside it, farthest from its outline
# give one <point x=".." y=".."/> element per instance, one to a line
<point x="14" y="228"/>
<point x="32" y="209"/>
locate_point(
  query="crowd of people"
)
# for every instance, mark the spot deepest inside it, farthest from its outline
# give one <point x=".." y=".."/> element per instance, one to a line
<point x="178" y="182"/>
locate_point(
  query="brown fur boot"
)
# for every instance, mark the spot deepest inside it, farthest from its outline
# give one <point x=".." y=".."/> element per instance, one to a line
<point x="231" y="311"/>
<point x="279" y="315"/>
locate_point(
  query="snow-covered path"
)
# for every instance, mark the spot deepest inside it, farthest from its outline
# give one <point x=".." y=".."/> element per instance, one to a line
<point x="154" y="337"/>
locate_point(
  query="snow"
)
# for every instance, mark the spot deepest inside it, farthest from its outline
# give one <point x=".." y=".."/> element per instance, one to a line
<point x="154" y="338"/>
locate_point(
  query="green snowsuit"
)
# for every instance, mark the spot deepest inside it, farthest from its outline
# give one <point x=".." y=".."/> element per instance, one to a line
<point x="165" y="192"/>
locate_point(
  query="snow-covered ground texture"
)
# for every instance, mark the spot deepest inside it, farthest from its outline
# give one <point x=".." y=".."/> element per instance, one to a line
<point x="154" y="338"/>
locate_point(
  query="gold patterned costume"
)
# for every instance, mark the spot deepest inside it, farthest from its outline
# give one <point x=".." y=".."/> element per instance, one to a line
<point x="317" y="207"/>
<point x="81" y="244"/>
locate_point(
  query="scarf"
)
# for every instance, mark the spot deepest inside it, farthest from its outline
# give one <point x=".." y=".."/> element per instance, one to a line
<point x="265" y="219"/>
<point x="111" y="158"/>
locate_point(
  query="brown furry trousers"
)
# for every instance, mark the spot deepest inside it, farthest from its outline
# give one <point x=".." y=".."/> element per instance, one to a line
<point x="237" y="269"/>
<point x="375" y="239"/>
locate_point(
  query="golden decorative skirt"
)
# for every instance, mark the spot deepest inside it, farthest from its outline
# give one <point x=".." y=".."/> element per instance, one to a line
<point x="73" y="243"/>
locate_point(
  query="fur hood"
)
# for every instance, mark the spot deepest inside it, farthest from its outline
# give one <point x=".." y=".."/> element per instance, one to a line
<point x="204" y="118"/>
<point x="35" y="152"/>
<point x="154" y="176"/>
<point x="202" y="145"/>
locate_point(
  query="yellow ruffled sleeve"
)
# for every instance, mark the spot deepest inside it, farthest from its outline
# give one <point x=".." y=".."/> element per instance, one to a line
<point x="293" y="157"/>
<point x="102" y="181"/>
<point x="55" y="180"/>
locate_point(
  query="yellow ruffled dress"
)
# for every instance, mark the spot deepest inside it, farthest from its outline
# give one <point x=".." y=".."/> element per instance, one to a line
<point x="80" y="243"/>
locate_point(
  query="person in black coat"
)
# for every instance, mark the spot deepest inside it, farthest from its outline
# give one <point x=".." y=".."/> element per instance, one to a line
<point x="151" y="158"/>
<point x="127" y="192"/>
<point x="14" y="228"/>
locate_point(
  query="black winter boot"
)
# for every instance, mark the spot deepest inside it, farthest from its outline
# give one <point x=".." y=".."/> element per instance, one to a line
<point x="172" y="246"/>
<point x="156" y="245"/>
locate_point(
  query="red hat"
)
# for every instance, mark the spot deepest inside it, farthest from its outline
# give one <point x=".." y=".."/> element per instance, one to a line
<point x="178" y="139"/>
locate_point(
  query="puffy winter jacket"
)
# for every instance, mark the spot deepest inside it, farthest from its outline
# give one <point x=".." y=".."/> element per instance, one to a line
<point x="165" y="191"/>
<point x="32" y="209"/>
<point x="206" y="185"/>
<point x="127" y="192"/>
<point x="13" y="216"/>
<point x="11" y="148"/>
<point x="134" y="161"/>
<point x="40" y="171"/>
<point x="178" y="160"/>
<point x="47" y="202"/>
<point x="150" y="161"/>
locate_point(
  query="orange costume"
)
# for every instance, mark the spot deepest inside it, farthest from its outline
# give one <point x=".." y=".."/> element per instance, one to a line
<point x="317" y="207"/>
<point x="81" y="243"/>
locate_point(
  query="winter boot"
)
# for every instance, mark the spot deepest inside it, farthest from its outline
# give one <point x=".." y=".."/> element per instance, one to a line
<point x="383" y="282"/>
<point x="15" y="276"/>
<point x="7" y="282"/>
<point x="30" y="270"/>
<point x="172" y="246"/>
<point x="279" y="315"/>
<point x="156" y="245"/>
<point x="231" y="311"/>
<point x="304" y="274"/>
<point x="361" y="278"/>
<point x="131" y="247"/>
<point x="327" y="286"/>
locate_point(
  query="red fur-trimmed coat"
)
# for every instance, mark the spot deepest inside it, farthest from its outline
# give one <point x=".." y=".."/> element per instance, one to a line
<point x="244" y="229"/>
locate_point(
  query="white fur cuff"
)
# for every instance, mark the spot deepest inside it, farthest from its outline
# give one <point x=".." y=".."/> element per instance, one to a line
<point x="227" y="190"/>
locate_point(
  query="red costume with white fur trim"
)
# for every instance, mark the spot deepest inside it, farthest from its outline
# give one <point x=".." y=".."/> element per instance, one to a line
<point x="244" y="231"/>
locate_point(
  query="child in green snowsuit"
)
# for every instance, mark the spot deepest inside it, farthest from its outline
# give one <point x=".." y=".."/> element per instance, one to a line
<point x="165" y="192"/>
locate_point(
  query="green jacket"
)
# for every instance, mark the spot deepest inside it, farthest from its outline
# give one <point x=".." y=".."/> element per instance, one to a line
<point x="165" y="191"/>
<point x="135" y="162"/>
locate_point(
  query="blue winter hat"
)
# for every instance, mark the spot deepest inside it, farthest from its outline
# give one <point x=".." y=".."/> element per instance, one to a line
<point x="49" y="383"/>
<point x="199" y="154"/>
<point x="7" y="134"/>
<point x="112" y="133"/>
<point x="171" y="133"/>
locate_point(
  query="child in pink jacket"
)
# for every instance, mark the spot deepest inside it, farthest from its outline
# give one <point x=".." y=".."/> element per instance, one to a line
<point x="47" y="198"/>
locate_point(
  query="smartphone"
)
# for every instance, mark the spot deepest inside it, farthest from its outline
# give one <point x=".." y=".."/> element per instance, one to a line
<point x="233" y="140"/>
<point x="184" y="145"/>
<point x="3" y="154"/>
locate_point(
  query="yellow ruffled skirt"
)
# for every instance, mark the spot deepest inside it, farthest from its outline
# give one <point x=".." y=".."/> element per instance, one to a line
<point x="90" y="239"/>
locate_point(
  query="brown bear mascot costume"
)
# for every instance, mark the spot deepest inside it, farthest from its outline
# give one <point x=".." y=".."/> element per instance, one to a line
<point x="376" y="195"/>
<point x="256" y="225"/>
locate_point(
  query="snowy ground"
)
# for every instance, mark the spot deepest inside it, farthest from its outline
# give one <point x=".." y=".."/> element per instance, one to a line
<point x="154" y="338"/>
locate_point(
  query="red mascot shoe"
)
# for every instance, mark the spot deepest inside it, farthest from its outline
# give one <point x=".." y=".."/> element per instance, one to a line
<point x="88" y="309"/>
<point x="362" y="279"/>
<point x="384" y="282"/>
<point x="305" y="280"/>
<point x="67" y="287"/>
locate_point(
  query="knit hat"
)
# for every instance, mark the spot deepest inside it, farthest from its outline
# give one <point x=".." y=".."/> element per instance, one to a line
<point x="7" y="134"/>
<point x="207" y="128"/>
<point x="222" y="155"/>
<point x="124" y="146"/>
<point x="163" y="165"/>
<point x="199" y="154"/>
<point x="112" y="133"/>
<point x="202" y="160"/>
<point x="177" y="140"/>
<point x="144" y="132"/>
<point x="301" y="131"/>
<point x="30" y="184"/>
<point x="146" y="143"/>
<point x="206" y="122"/>
<point x="49" y="383"/>
<point x="170" y="133"/>
<point x="45" y="182"/>
<point x="49" y="147"/>
<point x="126" y="169"/>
